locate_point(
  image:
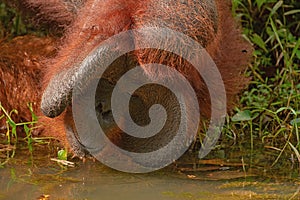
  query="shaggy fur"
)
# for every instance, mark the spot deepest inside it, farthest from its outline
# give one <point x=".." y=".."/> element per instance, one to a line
<point x="89" y="22"/>
<point x="20" y="72"/>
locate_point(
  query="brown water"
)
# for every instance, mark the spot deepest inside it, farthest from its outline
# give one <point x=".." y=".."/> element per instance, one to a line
<point x="41" y="178"/>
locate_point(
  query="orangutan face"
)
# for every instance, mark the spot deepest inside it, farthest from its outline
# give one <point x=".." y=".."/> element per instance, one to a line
<point x="88" y="46"/>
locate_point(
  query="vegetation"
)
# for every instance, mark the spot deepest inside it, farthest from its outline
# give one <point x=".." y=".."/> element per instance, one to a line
<point x="9" y="140"/>
<point x="264" y="129"/>
<point x="267" y="122"/>
<point x="11" y="23"/>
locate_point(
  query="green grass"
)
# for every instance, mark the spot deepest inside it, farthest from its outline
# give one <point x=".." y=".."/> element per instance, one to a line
<point x="11" y="132"/>
<point x="12" y="141"/>
<point x="12" y="23"/>
<point x="268" y="117"/>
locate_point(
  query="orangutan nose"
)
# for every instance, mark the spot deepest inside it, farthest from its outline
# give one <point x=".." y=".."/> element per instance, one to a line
<point x="104" y="112"/>
<point x="103" y="104"/>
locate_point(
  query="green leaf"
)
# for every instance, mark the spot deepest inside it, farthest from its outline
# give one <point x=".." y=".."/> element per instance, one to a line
<point x="11" y="123"/>
<point x="33" y="115"/>
<point x="26" y="129"/>
<point x="286" y="108"/>
<point x="14" y="131"/>
<point x="291" y="12"/>
<point x="256" y="39"/>
<point x="62" y="154"/>
<point x="242" y="116"/>
<point x="276" y="7"/>
<point x="298" y="54"/>
<point x="260" y="3"/>
<point x="295" y="50"/>
<point x="29" y="142"/>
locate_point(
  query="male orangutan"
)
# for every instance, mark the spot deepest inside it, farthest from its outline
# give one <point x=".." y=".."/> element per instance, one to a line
<point x="86" y="24"/>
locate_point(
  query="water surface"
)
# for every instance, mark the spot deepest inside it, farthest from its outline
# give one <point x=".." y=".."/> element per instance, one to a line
<point x="37" y="177"/>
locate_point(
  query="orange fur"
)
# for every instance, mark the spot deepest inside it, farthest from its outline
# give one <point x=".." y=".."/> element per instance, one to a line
<point x="98" y="20"/>
<point x="20" y="72"/>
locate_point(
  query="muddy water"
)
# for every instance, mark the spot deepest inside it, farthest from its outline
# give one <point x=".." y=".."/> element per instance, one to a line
<point x="25" y="177"/>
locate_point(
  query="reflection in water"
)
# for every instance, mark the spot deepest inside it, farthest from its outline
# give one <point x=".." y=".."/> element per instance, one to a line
<point x="24" y="178"/>
<point x="94" y="181"/>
